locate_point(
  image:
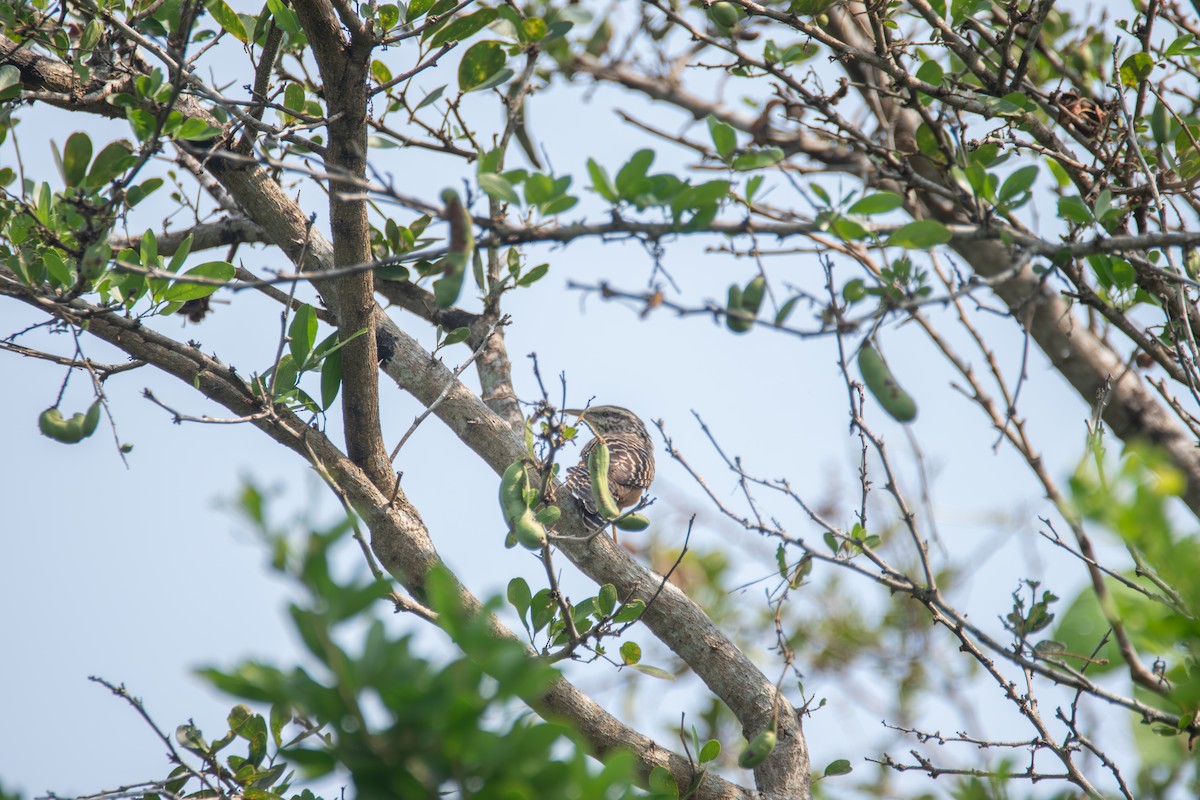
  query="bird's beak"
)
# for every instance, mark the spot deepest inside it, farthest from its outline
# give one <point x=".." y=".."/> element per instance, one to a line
<point x="578" y="412"/>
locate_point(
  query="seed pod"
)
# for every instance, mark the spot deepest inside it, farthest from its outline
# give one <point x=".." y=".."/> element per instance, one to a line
<point x="733" y="320"/>
<point x="752" y="295"/>
<point x="633" y="522"/>
<point x="882" y="384"/>
<point x="92" y="419"/>
<point x="52" y="424"/>
<point x="512" y="490"/>
<point x="549" y="515"/>
<point x="757" y="751"/>
<point x="726" y="15"/>
<point x="530" y="533"/>
<point x="598" y="462"/>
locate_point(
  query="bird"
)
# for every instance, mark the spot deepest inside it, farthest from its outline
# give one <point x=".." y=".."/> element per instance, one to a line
<point x="631" y="460"/>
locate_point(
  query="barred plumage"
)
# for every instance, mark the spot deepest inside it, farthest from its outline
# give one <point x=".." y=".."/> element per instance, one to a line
<point x="631" y="460"/>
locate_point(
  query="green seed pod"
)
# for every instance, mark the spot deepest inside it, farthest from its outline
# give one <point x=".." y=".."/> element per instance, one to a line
<point x="549" y="515"/>
<point x="757" y="751"/>
<point x="727" y="15"/>
<point x="52" y="424"/>
<point x="512" y="490"/>
<point x="598" y="462"/>
<point x="92" y="419"/>
<point x="633" y="522"/>
<point x="752" y="295"/>
<point x="530" y="533"/>
<point x="882" y="384"/>
<point x="733" y="320"/>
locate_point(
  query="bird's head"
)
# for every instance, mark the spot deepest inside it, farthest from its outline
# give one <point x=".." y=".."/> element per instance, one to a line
<point x="605" y="420"/>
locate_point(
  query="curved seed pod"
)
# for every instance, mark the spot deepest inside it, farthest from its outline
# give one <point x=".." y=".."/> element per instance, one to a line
<point x="92" y="419"/>
<point x="752" y="295"/>
<point x="52" y="424"/>
<point x="879" y="379"/>
<point x="633" y="522"/>
<point x="530" y="533"/>
<point x="757" y="751"/>
<point x="512" y="490"/>
<point x="598" y="463"/>
<point x="549" y="515"/>
<point x="733" y="321"/>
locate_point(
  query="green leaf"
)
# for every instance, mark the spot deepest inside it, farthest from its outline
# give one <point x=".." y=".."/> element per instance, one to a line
<point x="757" y="159"/>
<point x="482" y="61"/>
<point x="538" y="189"/>
<point x="195" y="129"/>
<point x="723" y="136"/>
<point x="633" y="173"/>
<point x="10" y="82"/>
<point x="456" y="336"/>
<point x="752" y="187"/>
<point x="878" y="203"/>
<point x="302" y="333"/>
<point x="662" y="782"/>
<point x="1136" y="69"/>
<point x="463" y="27"/>
<point x="1074" y="210"/>
<point x="227" y="19"/>
<point x="653" y="672"/>
<point x="418" y="9"/>
<point x="57" y="268"/>
<point x="389" y="15"/>
<point x="114" y="159"/>
<point x="931" y="72"/>
<point x="631" y="653"/>
<point x="285" y="17"/>
<point x="632" y="610"/>
<point x="149" y="251"/>
<point x="136" y="194"/>
<point x="534" y="275"/>
<point x="331" y="378"/>
<point x="533" y="29"/>
<point x="558" y="205"/>
<point x="1018" y="183"/>
<point x="542" y="610"/>
<point x="601" y="183"/>
<point x="182" y="292"/>
<point x="606" y="600"/>
<point x="430" y="98"/>
<point x="710" y="751"/>
<point x="839" y="767"/>
<point x="498" y="188"/>
<point x="923" y="234"/>
<point x="520" y="597"/>
<point x="77" y="154"/>
<point x="180" y="255"/>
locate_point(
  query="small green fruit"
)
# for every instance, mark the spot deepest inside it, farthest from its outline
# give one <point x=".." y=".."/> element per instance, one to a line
<point x="757" y="751"/>
<point x="531" y="534"/>
<point x="883" y="386"/>
<point x="727" y="15"/>
<point x="633" y="523"/>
